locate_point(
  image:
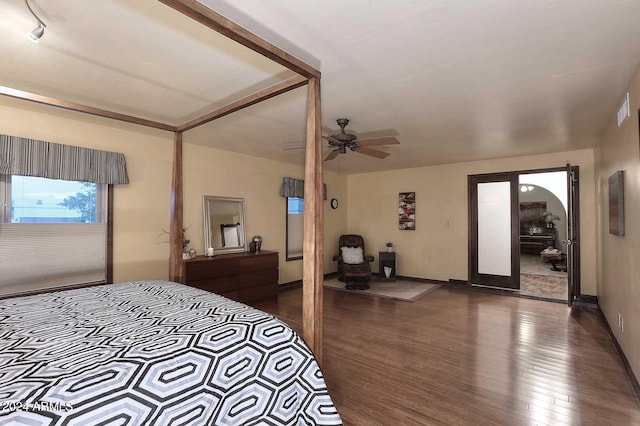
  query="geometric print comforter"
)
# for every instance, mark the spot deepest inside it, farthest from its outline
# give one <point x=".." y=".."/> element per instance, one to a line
<point x="153" y="353"/>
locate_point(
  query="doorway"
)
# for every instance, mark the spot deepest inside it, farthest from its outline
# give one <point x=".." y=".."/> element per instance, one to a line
<point x="523" y="232"/>
<point x="543" y="213"/>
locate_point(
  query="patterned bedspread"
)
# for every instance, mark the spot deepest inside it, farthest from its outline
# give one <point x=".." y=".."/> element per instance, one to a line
<point x="153" y="353"/>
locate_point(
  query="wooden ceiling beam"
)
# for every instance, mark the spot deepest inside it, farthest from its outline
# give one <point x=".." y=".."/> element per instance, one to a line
<point x="270" y="92"/>
<point x="207" y="17"/>
<point x="45" y="100"/>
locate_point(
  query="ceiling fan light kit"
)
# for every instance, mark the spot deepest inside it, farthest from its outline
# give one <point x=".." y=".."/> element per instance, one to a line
<point x="343" y="140"/>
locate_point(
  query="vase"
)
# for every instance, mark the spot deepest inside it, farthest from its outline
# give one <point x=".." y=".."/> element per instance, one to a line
<point x="387" y="271"/>
<point x="390" y="249"/>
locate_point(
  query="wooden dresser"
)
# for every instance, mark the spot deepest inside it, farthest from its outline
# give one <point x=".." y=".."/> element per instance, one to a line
<point x="245" y="277"/>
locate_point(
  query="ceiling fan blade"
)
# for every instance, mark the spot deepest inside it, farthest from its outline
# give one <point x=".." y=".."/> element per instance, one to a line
<point x="380" y="133"/>
<point x="378" y="141"/>
<point x="372" y="152"/>
<point x="333" y="154"/>
<point x="296" y="148"/>
<point x="331" y="139"/>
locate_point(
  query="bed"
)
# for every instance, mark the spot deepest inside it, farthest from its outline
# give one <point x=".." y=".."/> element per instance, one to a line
<point x="153" y="353"/>
<point x="305" y="74"/>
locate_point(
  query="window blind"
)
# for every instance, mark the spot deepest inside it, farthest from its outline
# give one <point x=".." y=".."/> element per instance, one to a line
<point x="295" y="235"/>
<point x="30" y="157"/>
<point x="294" y="188"/>
<point x="37" y="256"/>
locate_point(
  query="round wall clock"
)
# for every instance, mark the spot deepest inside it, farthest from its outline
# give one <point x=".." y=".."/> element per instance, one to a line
<point x="334" y="203"/>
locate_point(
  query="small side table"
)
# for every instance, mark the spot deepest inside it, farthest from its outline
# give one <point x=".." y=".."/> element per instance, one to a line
<point x="388" y="259"/>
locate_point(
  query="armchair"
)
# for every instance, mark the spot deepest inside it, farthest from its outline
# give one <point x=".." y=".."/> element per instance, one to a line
<point x="354" y="266"/>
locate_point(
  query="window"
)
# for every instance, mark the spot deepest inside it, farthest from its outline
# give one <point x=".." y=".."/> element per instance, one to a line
<point x="41" y="200"/>
<point x="52" y="233"/>
<point x="295" y="227"/>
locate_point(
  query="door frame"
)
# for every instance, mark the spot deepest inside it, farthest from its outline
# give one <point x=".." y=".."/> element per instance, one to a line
<point x="472" y="224"/>
<point x="574" y="236"/>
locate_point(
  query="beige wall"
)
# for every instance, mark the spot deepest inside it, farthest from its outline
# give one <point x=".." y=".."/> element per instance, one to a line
<point x="618" y="256"/>
<point x="368" y="202"/>
<point x="141" y="208"/>
<point x="221" y="173"/>
<point x="437" y="249"/>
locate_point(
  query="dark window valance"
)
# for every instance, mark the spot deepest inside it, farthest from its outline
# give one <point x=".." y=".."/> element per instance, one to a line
<point x="295" y="188"/>
<point x="29" y="157"/>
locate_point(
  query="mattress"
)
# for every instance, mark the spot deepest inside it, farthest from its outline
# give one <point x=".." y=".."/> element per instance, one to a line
<point x="153" y="353"/>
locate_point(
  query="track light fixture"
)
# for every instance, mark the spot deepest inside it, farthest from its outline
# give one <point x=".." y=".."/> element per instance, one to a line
<point x="38" y="32"/>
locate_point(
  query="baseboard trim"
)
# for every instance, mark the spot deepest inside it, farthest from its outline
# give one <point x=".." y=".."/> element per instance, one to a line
<point x="298" y="283"/>
<point x="587" y="301"/>
<point x="420" y="280"/>
<point x="413" y="279"/>
<point x="623" y="357"/>
<point x="581" y="301"/>
<point x="289" y="285"/>
<point x="464" y="286"/>
<point x="52" y="289"/>
<point x="332" y="275"/>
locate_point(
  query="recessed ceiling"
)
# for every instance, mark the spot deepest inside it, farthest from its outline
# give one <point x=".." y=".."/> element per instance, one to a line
<point x="455" y="81"/>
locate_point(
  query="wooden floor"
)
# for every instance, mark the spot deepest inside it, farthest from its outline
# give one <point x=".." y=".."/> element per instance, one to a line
<point x="457" y="357"/>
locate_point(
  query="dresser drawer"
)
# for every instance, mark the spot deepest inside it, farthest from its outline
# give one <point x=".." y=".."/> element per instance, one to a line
<point x="253" y="294"/>
<point x="252" y="279"/>
<point x="245" y="277"/>
<point x="217" y="285"/>
<point x="258" y="263"/>
<point x="210" y="268"/>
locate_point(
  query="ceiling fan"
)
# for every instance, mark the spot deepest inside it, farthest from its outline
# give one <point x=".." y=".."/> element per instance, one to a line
<point x="343" y="141"/>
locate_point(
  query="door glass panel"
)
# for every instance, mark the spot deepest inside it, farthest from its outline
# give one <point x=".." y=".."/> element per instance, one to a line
<point x="494" y="228"/>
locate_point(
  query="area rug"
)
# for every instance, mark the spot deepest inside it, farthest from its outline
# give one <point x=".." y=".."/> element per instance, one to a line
<point x="544" y="286"/>
<point x="407" y="291"/>
<point x="532" y="264"/>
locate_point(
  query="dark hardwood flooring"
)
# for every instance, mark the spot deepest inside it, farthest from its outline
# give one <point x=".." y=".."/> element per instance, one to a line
<point x="458" y="357"/>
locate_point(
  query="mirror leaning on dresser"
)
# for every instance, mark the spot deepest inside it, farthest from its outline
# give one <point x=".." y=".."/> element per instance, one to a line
<point x="224" y="226"/>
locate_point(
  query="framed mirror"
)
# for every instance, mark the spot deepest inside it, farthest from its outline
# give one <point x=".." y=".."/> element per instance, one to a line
<point x="224" y="224"/>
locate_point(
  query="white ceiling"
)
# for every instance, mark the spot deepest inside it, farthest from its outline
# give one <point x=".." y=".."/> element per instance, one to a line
<point x="454" y="80"/>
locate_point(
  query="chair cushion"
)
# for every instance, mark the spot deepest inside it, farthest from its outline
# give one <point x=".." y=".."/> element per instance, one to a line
<point x="352" y="255"/>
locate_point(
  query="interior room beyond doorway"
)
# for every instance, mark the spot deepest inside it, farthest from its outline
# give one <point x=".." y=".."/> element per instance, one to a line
<point x="543" y="207"/>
